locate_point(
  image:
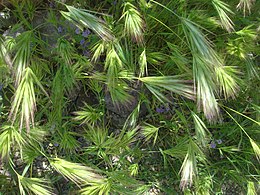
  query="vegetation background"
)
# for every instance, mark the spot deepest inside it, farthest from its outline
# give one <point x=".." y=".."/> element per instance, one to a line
<point x="129" y="97"/>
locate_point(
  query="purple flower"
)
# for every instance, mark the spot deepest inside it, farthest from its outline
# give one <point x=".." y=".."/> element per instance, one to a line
<point x="213" y="144"/>
<point x="56" y="144"/>
<point x="114" y="2"/>
<point x="87" y="44"/>
<point x="160" y="110"/>
<point x="59" y="29"/>
<point x="1" y="86"/>
<point x="82" y="41"/>
<point x="86" y="53"/>
<point x="86" y="33"/>
<point x="219" y="141"/>
<point x="77" y="31"/>
<point x="167" y="109"/>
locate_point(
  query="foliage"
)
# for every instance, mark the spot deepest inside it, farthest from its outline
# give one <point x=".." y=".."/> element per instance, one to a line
<point x="129" y="97"/>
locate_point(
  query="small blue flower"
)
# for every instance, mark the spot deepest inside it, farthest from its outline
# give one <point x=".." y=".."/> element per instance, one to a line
<point x="82" y="41"/>
<point x="213" y="144"/>
<point x="160" y="110"/>
<point x="77" y="31"/>
<point x="59" y="29"/>
<point x="114" y="2"/>
<point x="219" y="141"/>
<point x="56" y="144"/>
<point x="1" y="86"/>
<point x="86" y="53"/>
<point x="86" y="33"/>
<point x="167" y="108"/>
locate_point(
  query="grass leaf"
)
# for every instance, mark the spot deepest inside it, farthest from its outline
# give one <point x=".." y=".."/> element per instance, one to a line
<point x="82" y="18"/>
<point x="134" y="24"/>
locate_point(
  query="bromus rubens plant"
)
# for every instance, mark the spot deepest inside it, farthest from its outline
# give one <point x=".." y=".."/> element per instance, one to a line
<point x="129" y="97"/>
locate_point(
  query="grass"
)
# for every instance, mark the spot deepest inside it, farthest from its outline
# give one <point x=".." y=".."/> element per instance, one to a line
<point x="130" y="97"/>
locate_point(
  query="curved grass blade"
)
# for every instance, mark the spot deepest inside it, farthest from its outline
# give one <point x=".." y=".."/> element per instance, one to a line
<point x="82" y="18"/>
<point x="134" y="24"/>
<point x="171" y="83"/>
<point x="223" y="11"/>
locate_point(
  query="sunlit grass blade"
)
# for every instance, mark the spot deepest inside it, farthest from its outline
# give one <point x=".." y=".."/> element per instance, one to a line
<point x="65" y="50"/>
<point x="75" y="172"/>
<point x="134" y="24"/>
<point x="23" y="53"/>
<point x="67" y="141"/>
<point x="205" y="88"/>
<point x="88" y="115"/>
<point x="126" y="138"/>
<point x="113" y="62"/>
<point x="119" y="92"/>
<point x="97" y="188"/>
<point x="246" y="5"/>
<point x="24" y="102"/>
<point x="227" y="79"/>
<point x="205" y="60"/>
<point x="82" y="18"/>
<point x="102" y="143"/>
<point x="143" y="64"/>
<point x="256" y="149"/>
<point x="157" y="92"/>
<point x="251" y="69"/>
<point x="202" y="133"/>
<point x="189" y="169"/>
<point x="133" y="169"/>
<point x="149" y="131"/>
<point x="173" y="84"/>
<point x="98" y="49"/>
<point x="251" y="188"/>
<point x="113" y="65"/>
<point x="38" y="186"/>
<point x="223" y="11"/>
<point x="199" y="44"/>
<point x="9" y="138"/>
<point x="4" y="51"/>
<point x="132" y="119"/>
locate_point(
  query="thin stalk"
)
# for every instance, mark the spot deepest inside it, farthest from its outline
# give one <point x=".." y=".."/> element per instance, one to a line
<point x="258" y="123"/>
